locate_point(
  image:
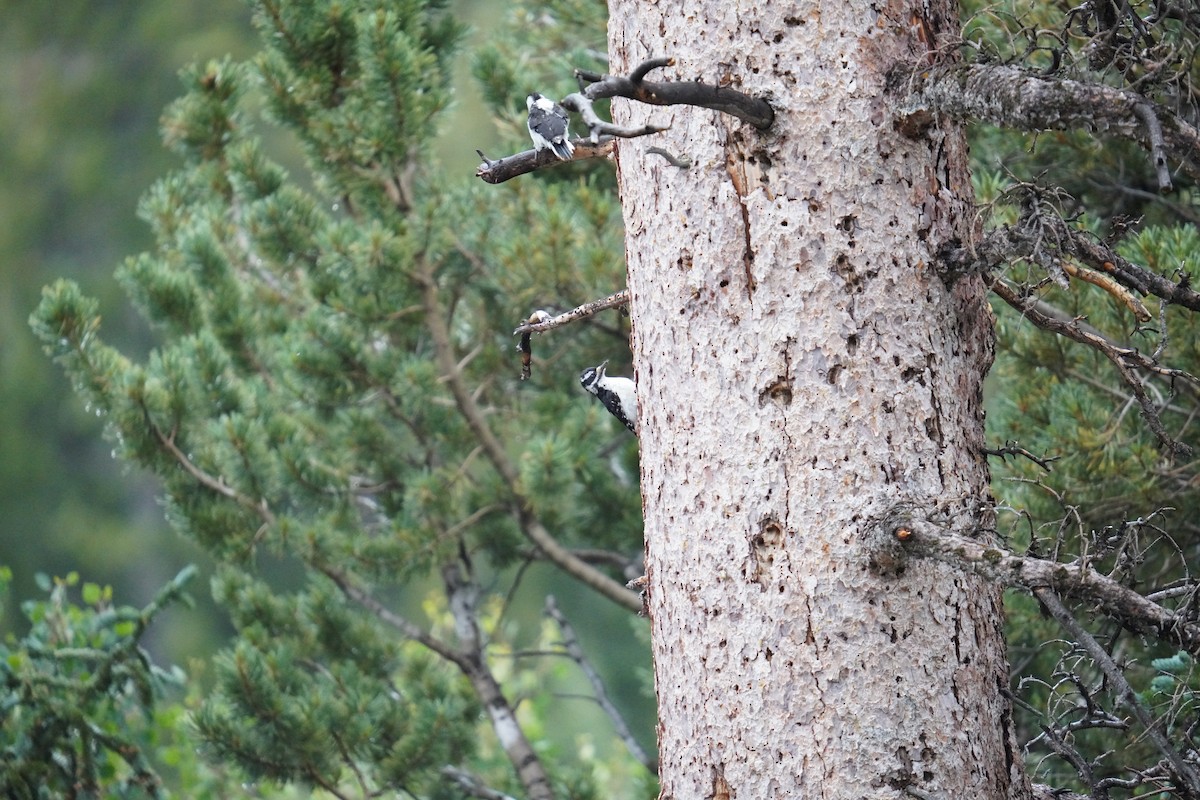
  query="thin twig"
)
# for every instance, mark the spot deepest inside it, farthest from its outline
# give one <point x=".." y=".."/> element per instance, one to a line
<point x="1014" y="449"/>
<point x="1184" y="772"/>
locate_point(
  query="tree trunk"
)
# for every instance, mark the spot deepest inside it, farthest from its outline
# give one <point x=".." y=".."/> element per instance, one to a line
<point x="801" y="368"/>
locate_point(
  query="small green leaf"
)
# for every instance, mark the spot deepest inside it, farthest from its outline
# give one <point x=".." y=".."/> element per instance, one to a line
<point x="91" y="593"/>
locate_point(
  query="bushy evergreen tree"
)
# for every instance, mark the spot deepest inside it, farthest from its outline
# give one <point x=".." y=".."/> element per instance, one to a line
<point x="335" y="406"/>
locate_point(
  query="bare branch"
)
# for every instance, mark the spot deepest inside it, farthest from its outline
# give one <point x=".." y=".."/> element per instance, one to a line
<point x="918" y="535"/>
<point x="571" y="645"/>
<point x="510" y="167"/>
<point x="614" y="300"/>
<point x="753" y="110"/>
<point x="1014" y="98"/>
<point x="1185" y="773"/>
<point x="597" y="127"/>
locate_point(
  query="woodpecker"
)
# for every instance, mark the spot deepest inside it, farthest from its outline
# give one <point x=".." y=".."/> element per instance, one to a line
<point x="619" y="395"/>
<point x="548" y="126"/>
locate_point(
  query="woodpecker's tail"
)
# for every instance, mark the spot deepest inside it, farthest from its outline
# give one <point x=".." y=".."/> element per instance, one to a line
<point x="563" y="148"/>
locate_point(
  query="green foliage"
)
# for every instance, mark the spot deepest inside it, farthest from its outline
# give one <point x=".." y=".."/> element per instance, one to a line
<point x="78" y="695"/>
<point x="330" y="345"/>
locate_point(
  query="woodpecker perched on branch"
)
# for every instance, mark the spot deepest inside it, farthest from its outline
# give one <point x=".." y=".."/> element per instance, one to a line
<point x="618" y="395"/>
<point x="548" y="126"/>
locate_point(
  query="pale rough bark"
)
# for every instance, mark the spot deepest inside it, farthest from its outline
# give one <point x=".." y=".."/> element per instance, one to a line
<point x="801" y="367"/>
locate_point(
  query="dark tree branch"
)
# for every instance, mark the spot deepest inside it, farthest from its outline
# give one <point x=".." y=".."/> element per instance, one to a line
<point x="598" y="143"/>
<point x="905" y="530"/>
<point x="1014" y="449"/>
<point x="1014" y="98"/>
<point x="753" y="110"/>
<point x="510" y="167"/>
<point x="582" y="105"/>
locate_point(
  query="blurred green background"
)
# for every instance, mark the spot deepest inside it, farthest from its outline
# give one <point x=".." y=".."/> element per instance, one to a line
<point x="82" y="86"/>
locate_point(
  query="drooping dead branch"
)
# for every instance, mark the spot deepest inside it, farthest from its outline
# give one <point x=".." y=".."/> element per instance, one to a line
<point x="1023" y="100"/>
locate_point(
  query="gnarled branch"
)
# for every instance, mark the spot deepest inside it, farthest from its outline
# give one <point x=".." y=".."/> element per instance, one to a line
<point x="1015" y="98"/>
<point x="906" y="531"/>
<point x="749" y="109"/>
<point x="598" y="143"/>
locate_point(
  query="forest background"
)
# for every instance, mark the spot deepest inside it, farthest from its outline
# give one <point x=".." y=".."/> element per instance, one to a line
<point x="82" y="91"/>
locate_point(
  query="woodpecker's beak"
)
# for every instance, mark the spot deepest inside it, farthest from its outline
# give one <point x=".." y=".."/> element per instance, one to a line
<point x="601" y="366"/>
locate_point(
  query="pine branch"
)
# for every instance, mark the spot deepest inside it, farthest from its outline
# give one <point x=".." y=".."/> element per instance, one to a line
<point x="467" y="406"/>
<point x="1125" y="359"/>
<point x="407" y="628"/>
<point x="1014" y="98"/>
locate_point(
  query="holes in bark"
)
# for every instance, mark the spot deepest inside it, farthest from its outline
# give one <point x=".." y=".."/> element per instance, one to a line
<point x="764" y="545"/>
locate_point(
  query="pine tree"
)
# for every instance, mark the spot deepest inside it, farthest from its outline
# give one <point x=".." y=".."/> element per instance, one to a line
<point x="336" y="412"/>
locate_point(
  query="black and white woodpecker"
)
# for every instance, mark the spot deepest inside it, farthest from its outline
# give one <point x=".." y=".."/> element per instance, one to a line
<point x="618" y="395"/>
<point x="548" y="126"/>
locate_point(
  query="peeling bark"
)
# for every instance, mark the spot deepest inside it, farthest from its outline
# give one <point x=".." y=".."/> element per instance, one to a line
<point x="801" y="366"/>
